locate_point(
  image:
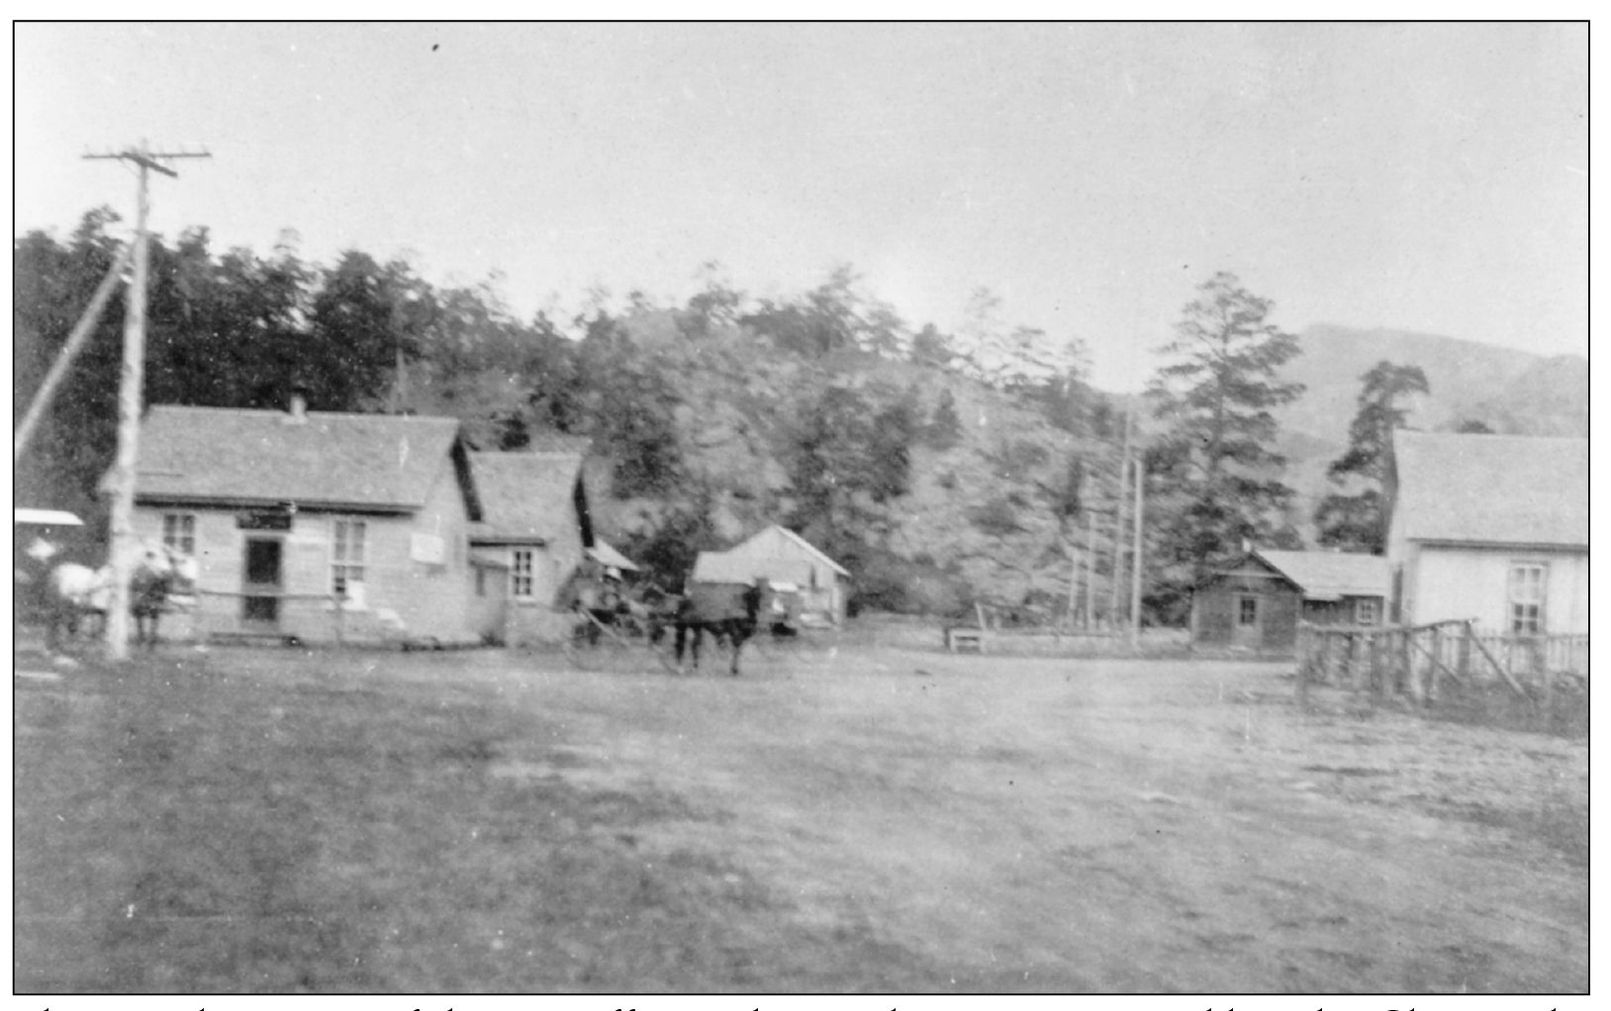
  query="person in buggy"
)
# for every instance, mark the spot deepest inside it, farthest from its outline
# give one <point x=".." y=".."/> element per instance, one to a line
<point x="601" y="600"/>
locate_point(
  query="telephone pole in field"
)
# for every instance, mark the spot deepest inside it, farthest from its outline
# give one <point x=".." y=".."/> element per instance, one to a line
<point x="130" y="389"/>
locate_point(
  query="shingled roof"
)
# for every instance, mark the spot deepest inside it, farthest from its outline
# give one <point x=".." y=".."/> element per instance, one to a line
<point x="1332" y="575"/>
<point x="1491" y="489"/>
<point x="526" y="495"/>
<point x="380" y="462"/>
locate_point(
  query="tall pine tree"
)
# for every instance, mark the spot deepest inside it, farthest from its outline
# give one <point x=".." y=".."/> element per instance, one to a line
<point x="1214" y="473"/>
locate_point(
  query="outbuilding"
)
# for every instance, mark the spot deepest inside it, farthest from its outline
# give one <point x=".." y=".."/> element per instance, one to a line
<point x="812" y="587"/>
<point x="1256" y="602"/>
<point x="539" y="529"/>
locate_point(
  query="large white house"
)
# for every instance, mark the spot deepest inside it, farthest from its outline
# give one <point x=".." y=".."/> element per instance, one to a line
<point x="1490" y="527"/>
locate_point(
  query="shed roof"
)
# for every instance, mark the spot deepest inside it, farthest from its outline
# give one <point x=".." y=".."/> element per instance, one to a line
<point x="1493" y="489"/>
<point x="766" y="543"/>
<point x="1331" y="575"/>
<point x="385" y="462"/>
<point x="527" y="495"/>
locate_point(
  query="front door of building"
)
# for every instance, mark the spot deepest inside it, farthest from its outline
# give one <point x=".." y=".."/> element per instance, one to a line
<point x="262" y="583"/>
<point x="1248" y="628"/>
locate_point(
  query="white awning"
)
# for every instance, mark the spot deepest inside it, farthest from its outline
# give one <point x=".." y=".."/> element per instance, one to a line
<point x="45" y="517"/>
<point x="608" y="556"/>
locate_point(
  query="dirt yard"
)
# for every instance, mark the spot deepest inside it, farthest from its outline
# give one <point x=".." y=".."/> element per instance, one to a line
<point x="860" y="820"/>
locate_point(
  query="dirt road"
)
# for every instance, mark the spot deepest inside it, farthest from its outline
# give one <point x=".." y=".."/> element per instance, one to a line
<point x="1111" y="826"/>
<point x="866" y="820"/>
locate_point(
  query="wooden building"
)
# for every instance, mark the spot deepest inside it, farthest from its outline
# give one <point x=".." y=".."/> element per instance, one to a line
<point x="1490" y="527"/>
<point x="1256" y="602"/>
<point x="812" y="588"/>
<point x="538" y="528"/>
<point x="317" y="526"/>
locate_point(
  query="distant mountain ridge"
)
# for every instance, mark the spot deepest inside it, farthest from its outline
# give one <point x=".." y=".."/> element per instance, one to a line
<point x="1511" y="391"/>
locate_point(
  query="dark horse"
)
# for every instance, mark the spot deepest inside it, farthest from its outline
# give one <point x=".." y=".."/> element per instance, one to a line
<point x="727" y="611"/>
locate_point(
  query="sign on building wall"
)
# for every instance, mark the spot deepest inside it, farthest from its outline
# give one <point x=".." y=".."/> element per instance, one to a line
<point x="431" y="549"/>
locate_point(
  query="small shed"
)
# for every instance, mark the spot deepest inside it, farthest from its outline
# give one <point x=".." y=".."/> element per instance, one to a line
<point x="814" y="587"/>
<point x="1256" y="601"/>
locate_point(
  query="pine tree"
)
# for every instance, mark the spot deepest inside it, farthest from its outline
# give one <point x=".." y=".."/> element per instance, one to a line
<point x="1217" y="478"/>
<point x="1353" y="521"/>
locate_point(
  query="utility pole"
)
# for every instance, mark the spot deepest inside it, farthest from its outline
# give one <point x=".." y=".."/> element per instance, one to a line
<point x="130" y="390"/>
<point x="1135" y="553"/>
<point x="1118" y="521"/>
<point x="1090" y="569"/>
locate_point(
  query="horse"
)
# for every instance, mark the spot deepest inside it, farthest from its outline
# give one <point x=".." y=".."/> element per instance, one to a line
<point x="725" y="611"/>
<point x="73" y="591"/>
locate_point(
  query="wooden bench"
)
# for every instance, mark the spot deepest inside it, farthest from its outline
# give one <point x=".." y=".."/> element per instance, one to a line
<point x="959" y="640"/>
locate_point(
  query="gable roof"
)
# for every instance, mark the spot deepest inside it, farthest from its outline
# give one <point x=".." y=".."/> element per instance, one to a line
<point x="732" y="567"/>
<point x="757" y="546"/>
<point x="381" y="462"/>
<point x="527" y="495"/>
<point x="1331" y="575"/>
<point x="1491" y="489"/>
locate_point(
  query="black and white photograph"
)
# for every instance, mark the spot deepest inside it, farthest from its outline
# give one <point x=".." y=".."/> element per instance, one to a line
<point x="631" y="511"/>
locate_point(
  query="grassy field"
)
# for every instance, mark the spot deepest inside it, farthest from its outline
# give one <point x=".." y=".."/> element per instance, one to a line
<point x="867" y="819"/>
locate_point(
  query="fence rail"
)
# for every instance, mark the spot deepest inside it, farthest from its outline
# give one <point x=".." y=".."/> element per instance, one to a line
<point x="1418" y="660"/>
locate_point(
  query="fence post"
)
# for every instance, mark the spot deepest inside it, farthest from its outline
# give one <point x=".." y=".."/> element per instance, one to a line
<point x="1544" y="671"/>
<point x="1465" y="652"/>
<point x="1437" y="664"/>
<point x="1405" y="647"/>
<point x="1356" y="669"/>
<point x="1303" y="663"/>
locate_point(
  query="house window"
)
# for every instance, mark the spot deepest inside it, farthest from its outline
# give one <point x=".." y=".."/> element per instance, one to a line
<point x="1247" y="611"/>
<point x="520" y="578"/>
<point x="347" y="556"/>
<point x="179" y="532"/>
<point x="1366" y="612"/>
<point x="1526" y="598"/>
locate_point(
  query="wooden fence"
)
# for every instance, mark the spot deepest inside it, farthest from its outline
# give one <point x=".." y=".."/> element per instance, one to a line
<point x="1418" y="660"/>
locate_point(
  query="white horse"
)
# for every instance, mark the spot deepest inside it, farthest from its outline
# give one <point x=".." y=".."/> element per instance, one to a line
<point x="73" y="591"/>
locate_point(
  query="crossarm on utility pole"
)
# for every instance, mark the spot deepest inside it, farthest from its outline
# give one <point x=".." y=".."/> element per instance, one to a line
<point x="64" y="360"/>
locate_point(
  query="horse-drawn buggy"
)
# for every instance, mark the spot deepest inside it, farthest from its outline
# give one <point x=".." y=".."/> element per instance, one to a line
<point x="612" y="618"/>
<point x="59" y="588"/>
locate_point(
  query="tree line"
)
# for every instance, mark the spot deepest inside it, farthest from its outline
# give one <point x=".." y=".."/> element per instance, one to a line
<point x="236" y="328"/>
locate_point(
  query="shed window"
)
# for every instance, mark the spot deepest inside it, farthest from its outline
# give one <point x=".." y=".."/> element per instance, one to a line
<point x="1366" y="612"/>
<point x="1247" y="611"/>
<point x="347" y="556"/>
<point x="520" y="574"/>
<point x="179" y="532"/>
<point x="1526" y="598"/>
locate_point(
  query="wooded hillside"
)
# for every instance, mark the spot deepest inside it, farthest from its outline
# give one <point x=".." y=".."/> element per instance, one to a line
<point x="941" y="468"/>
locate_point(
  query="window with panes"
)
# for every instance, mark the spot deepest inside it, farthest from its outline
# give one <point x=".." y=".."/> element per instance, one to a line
<point x="347" y="555"/>
<point x="1526" y="598"/>
<point x="521" y="583"/>
<point x="179" y="532"/>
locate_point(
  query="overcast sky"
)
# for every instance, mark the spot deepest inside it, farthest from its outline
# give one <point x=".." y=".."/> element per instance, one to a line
<point x="1425" y="177"/>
